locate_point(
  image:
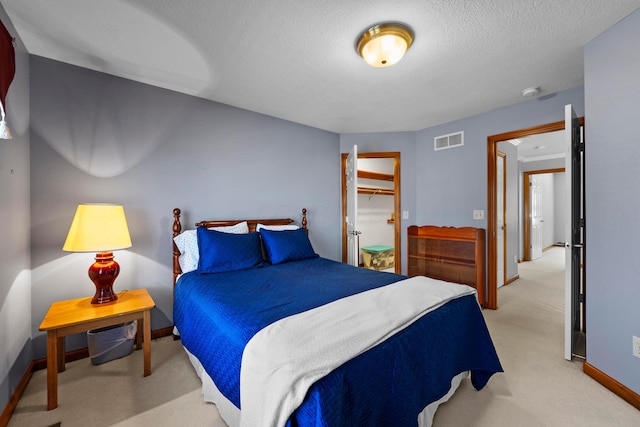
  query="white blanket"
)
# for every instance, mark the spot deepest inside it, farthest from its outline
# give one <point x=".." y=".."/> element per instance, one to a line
<point x="284" y="359"/>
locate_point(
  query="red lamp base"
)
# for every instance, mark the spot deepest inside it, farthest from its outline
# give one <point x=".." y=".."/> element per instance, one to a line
<point x="103" y="273"/>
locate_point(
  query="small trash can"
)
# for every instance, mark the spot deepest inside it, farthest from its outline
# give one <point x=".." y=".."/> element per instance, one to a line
<point x="112" y="342"/>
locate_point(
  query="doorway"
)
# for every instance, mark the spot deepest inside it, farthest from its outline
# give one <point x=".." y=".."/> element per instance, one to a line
<point x="492" y="196"/>
<point x="393" y="179"/>
<point x="532" y="241"/>
<point x="573" y="148"/>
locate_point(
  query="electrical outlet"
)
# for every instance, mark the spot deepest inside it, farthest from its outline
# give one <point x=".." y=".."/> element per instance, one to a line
<point x="636" y="346"/>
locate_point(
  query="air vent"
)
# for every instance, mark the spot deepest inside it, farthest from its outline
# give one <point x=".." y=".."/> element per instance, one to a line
<point x="448" y="141"/>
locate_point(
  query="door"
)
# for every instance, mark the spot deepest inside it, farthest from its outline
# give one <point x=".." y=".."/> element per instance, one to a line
<point x="574" y="242"/>
<point x="500" y="209"/>
<point x="351" y="171"/>
<point x="535" y="194"/>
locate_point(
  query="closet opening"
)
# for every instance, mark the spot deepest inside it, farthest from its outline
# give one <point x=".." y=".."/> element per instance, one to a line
<point x="378" y="212"/>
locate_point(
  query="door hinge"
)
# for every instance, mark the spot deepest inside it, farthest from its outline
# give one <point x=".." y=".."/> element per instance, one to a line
<point x="581" y="298"/>
<point x="582" y="222"/>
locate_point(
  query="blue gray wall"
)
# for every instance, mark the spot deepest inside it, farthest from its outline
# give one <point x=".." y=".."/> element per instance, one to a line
<point x="93" y="137"/>
<point x="612" y="151"/>
<point x="405" y="144"/>
<point x="97" y="138"/>
<point x="452" y="183"/>
<point x="15" y="270"/>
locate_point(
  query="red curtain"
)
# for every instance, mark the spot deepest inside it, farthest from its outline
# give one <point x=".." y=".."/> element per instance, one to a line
<point x="7" y="62"/>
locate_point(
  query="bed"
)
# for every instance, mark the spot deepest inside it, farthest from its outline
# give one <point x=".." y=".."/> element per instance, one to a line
<point x="281" y="336"/>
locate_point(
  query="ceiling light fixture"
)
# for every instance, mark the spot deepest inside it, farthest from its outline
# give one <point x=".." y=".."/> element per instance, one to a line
<point x="384" y="44"/>
<point x="531" y="91"/>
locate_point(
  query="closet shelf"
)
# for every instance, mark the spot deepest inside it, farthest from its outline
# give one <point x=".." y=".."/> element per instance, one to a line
<point x="376" y="191"/>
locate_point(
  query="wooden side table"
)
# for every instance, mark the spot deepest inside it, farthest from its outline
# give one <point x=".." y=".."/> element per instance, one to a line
<point x="79" y="315"/>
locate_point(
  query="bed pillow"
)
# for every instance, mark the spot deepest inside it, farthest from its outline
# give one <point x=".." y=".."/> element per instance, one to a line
<point x="187" y="243"/>
<point x="222" y="252"/>
<point x="286" y="245"/>
<point x="276" y="227"/>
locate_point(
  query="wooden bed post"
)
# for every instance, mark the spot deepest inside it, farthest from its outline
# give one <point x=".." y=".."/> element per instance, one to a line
<point x="304" y="220"/>
<point x="177" y="229"/>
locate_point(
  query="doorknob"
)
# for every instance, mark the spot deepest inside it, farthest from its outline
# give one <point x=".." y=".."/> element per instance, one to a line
<point x="569" y="245"/>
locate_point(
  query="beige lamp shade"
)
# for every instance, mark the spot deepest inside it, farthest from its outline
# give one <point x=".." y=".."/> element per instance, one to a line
<point x="98" y="228"/>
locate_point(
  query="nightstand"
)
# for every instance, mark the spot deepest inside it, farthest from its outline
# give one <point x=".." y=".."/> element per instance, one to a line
<point x="79" y="315"/>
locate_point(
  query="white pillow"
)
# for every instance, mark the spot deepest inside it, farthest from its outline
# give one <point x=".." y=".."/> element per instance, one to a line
<point x="276" y="227"/>
<point x="187" y="243"/>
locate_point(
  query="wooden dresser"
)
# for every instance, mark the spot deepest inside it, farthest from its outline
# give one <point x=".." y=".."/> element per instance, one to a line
<point x="448" y="253"/>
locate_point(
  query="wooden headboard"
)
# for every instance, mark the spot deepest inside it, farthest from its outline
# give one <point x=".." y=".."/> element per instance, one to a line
<point x="448" y="253"/>
<point x="252" y="223"/>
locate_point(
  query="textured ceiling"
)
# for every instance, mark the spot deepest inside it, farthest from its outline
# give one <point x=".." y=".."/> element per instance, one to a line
<point x="296" y="60"/>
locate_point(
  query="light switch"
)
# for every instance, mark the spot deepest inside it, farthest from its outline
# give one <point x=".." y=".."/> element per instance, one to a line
<point x="478" y="214"/>
<point x="405" y="214"/>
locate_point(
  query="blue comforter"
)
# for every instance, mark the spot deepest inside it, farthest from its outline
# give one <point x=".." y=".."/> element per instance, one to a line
<point x="217" y="314"/>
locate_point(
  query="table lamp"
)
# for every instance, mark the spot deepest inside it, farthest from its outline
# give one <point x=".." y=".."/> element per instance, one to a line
<point x="100" y="228"/>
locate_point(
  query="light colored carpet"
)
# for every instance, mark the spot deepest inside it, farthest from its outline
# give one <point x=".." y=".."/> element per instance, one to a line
<point x="117" y="394"/>
<point x="538" y="388"/>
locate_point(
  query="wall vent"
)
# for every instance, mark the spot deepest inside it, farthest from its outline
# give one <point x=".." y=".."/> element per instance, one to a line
<point x="448" y="141"/>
